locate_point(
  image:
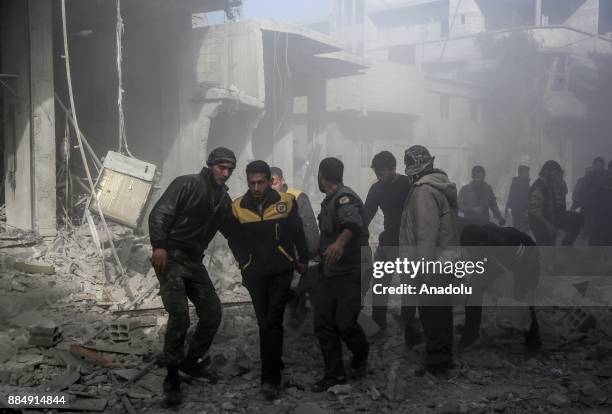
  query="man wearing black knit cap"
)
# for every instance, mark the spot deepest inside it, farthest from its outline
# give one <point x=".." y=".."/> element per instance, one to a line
<point x="182" y="223"/>
<point x="337" y="293"/>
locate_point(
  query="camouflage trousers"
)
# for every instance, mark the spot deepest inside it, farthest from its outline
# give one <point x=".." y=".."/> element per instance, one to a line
<point x="184" y="279"/>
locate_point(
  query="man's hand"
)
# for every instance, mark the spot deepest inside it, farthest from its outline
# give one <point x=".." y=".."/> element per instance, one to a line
<point x="159" y="259"/>
<point x="502" y="221"/>
<point x="333" y="253"/>
<point x="301" y="268"/>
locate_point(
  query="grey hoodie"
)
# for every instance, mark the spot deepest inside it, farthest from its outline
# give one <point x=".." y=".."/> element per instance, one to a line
<point x="429" y="219"/>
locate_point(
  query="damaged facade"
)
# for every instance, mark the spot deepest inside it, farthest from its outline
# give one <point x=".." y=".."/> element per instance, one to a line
<point x="446" y="43"/>
<point x="185" y="90"/>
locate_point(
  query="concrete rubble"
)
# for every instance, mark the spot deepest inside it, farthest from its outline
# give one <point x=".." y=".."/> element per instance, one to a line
<point x="75" y="332"/>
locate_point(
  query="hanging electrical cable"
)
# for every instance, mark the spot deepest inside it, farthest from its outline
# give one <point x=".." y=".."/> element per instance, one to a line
<point x="123" y="144"/>
<point x="94" y="195"/>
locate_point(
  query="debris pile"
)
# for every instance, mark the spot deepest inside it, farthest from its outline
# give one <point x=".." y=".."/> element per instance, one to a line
<point x="68" y="325"/>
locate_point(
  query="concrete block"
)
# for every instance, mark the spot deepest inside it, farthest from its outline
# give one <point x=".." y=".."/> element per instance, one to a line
<point x="45" y="327"/>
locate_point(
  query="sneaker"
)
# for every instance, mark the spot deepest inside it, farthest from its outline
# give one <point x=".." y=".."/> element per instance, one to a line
<point x="269" y="391"/>
<point x="359" y="368"/>
<point x="327" y="383"/>
<point x="172" y="392"/>
<point x="198" y="370"/>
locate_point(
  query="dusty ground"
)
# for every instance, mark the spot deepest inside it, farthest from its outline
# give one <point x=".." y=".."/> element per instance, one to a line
<point x="571" y="374"/>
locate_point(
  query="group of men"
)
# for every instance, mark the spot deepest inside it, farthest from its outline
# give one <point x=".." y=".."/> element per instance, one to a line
<point x="274" y="236"/>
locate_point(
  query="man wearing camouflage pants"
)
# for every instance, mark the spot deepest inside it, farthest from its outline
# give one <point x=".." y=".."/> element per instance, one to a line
<point x="182" y="223"/>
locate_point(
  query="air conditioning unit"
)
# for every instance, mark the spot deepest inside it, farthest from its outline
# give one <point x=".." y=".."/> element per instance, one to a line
<point x="123" y="189"/>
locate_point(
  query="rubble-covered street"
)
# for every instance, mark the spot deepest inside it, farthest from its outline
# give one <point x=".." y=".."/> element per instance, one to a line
<point x="66" y="329"/>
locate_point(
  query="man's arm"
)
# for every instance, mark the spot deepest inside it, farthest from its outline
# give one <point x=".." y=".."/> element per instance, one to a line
<point x="371" y="205"/>
<point x="298" y="236"/>
<point x="493" y="204"/>
<point x="232" y="231"/>
<point x="161" y="220"/>
<point x="350" y="222"/>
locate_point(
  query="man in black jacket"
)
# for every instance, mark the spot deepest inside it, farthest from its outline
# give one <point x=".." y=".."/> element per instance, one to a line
<point x="182" y="223"/>
<point x="271" y="233"/>
<point x="547" y="210"/>
<point x="518" y="199"/>
<point x="389" y="194"/>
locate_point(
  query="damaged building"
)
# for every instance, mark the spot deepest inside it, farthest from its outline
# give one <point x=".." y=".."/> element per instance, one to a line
<point x="460" y="55"/>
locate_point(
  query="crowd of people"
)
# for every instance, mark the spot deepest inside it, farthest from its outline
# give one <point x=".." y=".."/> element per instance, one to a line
<point x="288" y="256"/>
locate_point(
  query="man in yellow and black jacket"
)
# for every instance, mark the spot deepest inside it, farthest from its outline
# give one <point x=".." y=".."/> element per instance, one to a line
<point x="271" y="234"/>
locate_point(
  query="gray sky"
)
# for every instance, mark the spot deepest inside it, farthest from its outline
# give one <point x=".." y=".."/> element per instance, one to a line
<point x="289" y="10"/>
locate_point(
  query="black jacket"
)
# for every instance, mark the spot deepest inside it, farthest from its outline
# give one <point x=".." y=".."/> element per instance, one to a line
<point x="518" y="199"/>
<point x="268" y="240"/>
<point x="189" y="214"/>
<point x="341" y="210"/>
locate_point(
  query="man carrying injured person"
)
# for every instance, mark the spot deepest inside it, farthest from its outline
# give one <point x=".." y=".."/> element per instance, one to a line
<point x="182" y="223"/>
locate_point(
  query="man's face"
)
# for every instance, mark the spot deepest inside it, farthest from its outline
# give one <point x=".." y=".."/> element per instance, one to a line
<point x="277" y="183"/>
<point x="222" y="172"/>
<point x="320" y="181"/>
<point x="599" y="166"/>
<point x="524" y="173"/>
<point x="555" y="176"/>
<point x="258" y="184"/>
<point x="478" y="177"/>
<point x="385" y="175"/>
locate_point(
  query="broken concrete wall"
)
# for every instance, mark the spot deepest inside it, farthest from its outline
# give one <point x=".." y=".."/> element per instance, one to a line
<point x="28" y="118"/>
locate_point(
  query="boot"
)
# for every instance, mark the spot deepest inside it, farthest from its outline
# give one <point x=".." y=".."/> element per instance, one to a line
<point x="172" y="391"/>
<point x="196" y="369"/>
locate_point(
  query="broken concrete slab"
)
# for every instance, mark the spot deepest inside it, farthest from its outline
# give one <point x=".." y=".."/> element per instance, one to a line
<point x="558" y="400"/>
<point x="340" y="389"/>
<point x="26" y="319"/>
<point x="35" y="268"/>
<point x="7" y="349"/>
<point x="126" y="374"/>
<point x="63" y="381"/>
<point x="87" y="404"/>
